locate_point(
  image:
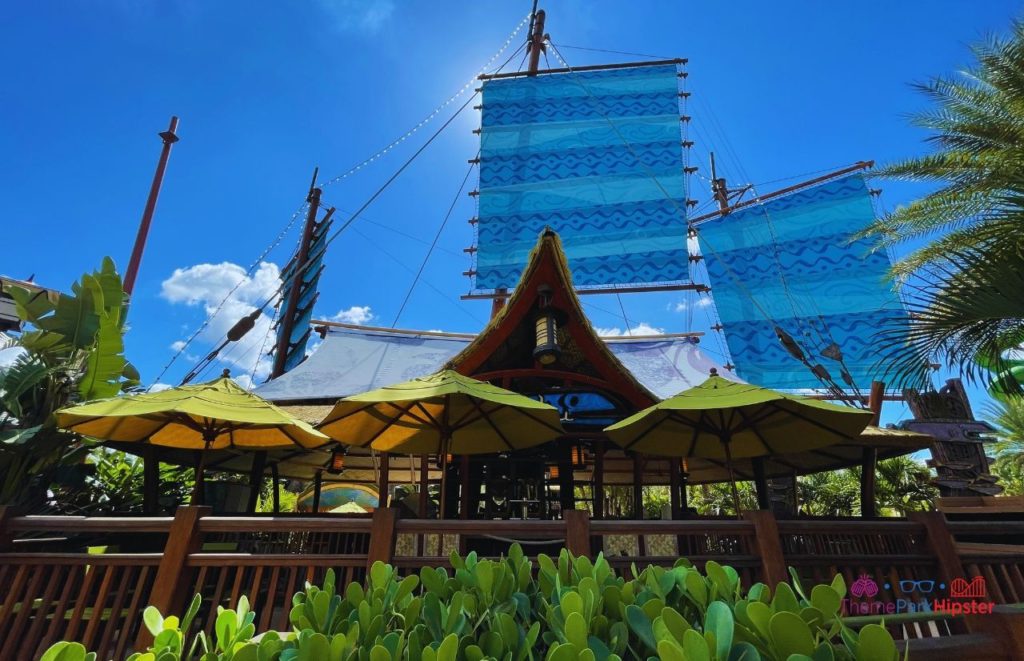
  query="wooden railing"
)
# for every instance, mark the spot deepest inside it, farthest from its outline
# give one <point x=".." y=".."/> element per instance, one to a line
<point x="53" y="588"/>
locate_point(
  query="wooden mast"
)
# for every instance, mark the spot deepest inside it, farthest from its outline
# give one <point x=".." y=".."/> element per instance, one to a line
<point x="169" y="137"/>
<point x="284" y="332"/>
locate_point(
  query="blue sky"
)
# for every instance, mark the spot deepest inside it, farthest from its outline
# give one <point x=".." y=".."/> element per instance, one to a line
<point x="268" y="90"/>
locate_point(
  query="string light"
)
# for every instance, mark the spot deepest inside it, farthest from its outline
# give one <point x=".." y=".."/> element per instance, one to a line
<point x="426" y="120"/>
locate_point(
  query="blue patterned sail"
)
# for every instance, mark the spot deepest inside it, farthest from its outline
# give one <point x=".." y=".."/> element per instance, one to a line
<point x="594" y="155"/>
<point x="791" y="262"/>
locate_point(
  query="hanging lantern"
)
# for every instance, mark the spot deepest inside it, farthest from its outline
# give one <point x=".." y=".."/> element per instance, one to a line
<point x="337" y="462"/>
<point x="546" y="327"/>
<point x="684" y="465"/>
<point x="553" y="472"/>
<point x="579" y="458"/>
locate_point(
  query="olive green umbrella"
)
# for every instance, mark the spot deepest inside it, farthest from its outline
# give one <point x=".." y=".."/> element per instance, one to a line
<point x="215" y="415"/>
<point x="444" y="413"/>
<point x="726" y="420"/>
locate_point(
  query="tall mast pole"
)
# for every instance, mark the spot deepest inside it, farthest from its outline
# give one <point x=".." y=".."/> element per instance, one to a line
<point x="169" y="137"/>
<point x="534" y="45"/>
<point x="287" y="321"/>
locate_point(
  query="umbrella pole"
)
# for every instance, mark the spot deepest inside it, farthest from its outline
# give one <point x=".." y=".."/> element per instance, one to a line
<point x="732" y="478"/>
<point x="199" y="492"/>
<point x="444" y="491"/>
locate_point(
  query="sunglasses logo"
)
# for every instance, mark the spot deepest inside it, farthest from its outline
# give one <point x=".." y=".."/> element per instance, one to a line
<point x="926" y="586"/>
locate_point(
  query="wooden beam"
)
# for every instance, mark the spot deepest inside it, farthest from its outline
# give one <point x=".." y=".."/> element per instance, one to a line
<point x="761" y="483"/>
<point x="631" y="289"/>
<point x="259" y="464"/>
<point x="171" y="580"/>
<point x="868" y="467"/>
<point x="577" y="532"/>
<point x="940" y="541"/>
<point x="383" y="484"/>
<point x="382" y="536"/>
<point x="769" y="547"/>
<point x="860" y="165"/>
<point x="592" y="67"/>
<point x="150" y="481"/>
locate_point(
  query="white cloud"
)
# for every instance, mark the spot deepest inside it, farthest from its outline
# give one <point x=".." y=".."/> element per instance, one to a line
<point x="177" y="345"/>
<point x="357" y="314"/>
<point x="643" y="328"/>
<point x="367" y="16"/>
<point x="210" y="284"/>
<point x="683" y="306"/>
<point x="157" y="387"/>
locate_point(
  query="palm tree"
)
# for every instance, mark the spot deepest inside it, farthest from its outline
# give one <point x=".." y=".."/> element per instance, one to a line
<point x="963" y="285"/>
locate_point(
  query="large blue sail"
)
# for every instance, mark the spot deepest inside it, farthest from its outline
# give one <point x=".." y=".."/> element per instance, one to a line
<point x="792" y="263"/>
<point x="594" y="155"/>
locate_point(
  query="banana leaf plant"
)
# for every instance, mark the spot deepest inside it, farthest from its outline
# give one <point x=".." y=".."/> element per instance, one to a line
<point x="72" y="349"/>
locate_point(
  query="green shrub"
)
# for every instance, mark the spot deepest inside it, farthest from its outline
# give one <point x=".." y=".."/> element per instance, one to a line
<point x="569" y="609"/>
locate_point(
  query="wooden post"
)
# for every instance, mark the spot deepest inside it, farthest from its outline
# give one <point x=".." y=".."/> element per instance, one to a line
<point x="868" y="465"/>
<point x="318" y="487"/>
<point x="384" y="480"/>
<point x="150" y="481"/>
<point x="382" y="536"/>
<point x="464" y="487"/>
<point x="7" y="512"/>
<point x="577" y="532"/>
<point x="941" y="543"/>
<point x="761" y="483"/>
<point x="599" y="480"/>
<point x="674" y="485"/>
<point x="1006" y="624"/>
<point x="259" y="464"/>
<point x="869" y="456"/>
<point x="769" y="547"/>
<point x="638" y="486"/>
<point x="171" y="585"/>
<point x="566" y="480"/>
<point x="276" y="477"/>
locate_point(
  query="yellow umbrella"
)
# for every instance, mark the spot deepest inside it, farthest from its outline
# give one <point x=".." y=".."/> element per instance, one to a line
<point x="722" y="419"/>
<point x="442" y="413"/>
<point x="209" y="416"/>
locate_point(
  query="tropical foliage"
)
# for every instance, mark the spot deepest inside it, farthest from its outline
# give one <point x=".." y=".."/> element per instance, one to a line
<point x="72" y="350"/>
<point x="1007" y="415"/>
<point x="568" y="609"/>
<point x="963" y="285"/>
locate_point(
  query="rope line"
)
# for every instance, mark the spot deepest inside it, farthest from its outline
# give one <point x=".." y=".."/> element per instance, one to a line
<point x="437" y="236"/>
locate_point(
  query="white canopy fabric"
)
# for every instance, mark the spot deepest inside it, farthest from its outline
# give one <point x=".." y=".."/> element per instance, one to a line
<point x="354" y="360"/>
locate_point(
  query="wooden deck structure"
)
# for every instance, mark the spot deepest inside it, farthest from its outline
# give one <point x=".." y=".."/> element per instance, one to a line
<point x="55" y="588"/>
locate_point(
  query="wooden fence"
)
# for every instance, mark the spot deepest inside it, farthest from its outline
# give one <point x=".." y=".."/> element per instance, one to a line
<point x="88" y="578"/>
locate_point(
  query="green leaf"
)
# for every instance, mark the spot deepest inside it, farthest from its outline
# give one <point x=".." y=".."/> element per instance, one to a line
<point x="641" y="626"/>
<point x="576" y="630"/>
<point x="785" y="600"/>
<point x="153" y="619"/>
<point x="791" y="635"/>
<point x="65" y="651"/>
<point x="826" y="600"/>
<point x="670" y="651"/>
<point x="448" y="649"/>
<point x="695" y="648"/>
<point x="719" y="621"/>
<point x="875" y="644"/>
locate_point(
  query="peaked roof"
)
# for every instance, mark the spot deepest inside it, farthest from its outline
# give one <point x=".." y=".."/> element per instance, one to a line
<point x="547" y="266"/>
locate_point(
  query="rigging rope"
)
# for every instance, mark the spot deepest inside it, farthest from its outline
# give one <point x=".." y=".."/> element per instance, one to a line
<point x="380" y="153"/>
<point x="447" y="102"/>
<point x="437" y="236"/>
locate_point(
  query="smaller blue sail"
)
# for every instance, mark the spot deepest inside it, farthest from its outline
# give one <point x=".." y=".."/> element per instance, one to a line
<point x="792" y="264"/>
